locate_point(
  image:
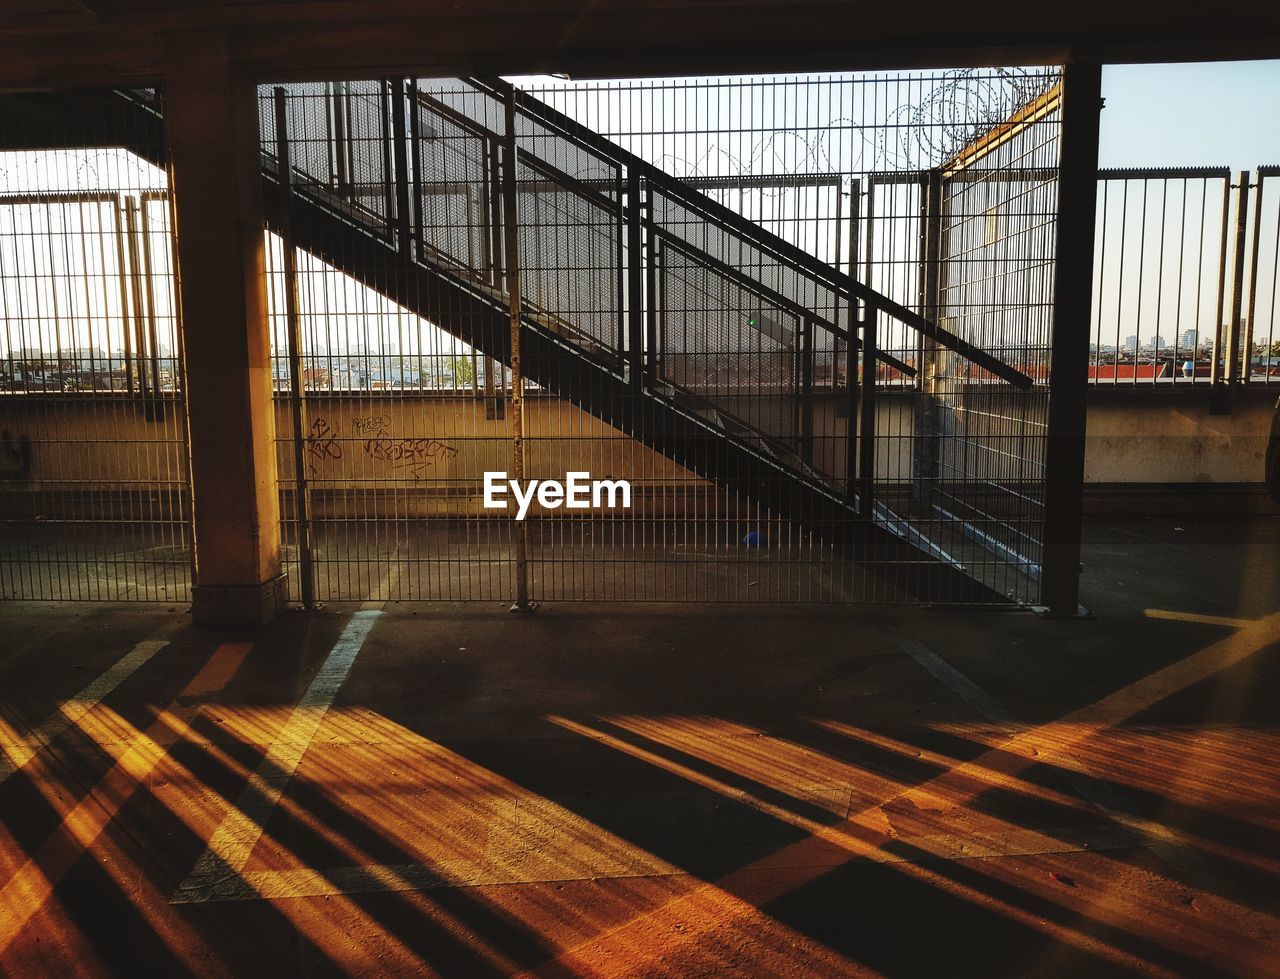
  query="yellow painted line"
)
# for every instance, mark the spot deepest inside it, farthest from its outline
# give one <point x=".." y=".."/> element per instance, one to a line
<point x="233" y="841"/>
<point x="33" y="884"/>
<point x="18" y="751"/>
<point x="1159" y="613"/>
<point x="1045" y="744"/>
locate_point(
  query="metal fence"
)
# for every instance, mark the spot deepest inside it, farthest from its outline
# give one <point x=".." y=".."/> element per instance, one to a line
<point x="696" y="333"/>
<point x="1185" y="278"/>
<point x="93" y="475"/>
<point x="705" y="271"/>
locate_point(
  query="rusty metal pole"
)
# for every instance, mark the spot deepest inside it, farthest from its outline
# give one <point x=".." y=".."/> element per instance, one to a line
<point x="1253" y="276"/>
<point x="1234" y="331"/>
<point x="1069" y="363"/>
<point x="297" y="397"/>
<point x="1217" y="383"/>
<point x="511" y="247"/>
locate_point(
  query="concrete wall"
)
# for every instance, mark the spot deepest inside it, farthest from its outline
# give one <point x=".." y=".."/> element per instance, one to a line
<point x="1166" y="452"/>
<point x="1173" y="438"/>
<point x="1142" y="447"/>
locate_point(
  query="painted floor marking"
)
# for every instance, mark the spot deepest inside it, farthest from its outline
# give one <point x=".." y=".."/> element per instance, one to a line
<point x="32" y="884"/>
<point x="958" y="683"/>
<point x="1158" y="613"/>
<point x="1110" y="802"/>
<point x="1050" y="740"/>
<point x="221" y="876"/>
<point x="233" y="841"/>
<point x="14" y="754"/>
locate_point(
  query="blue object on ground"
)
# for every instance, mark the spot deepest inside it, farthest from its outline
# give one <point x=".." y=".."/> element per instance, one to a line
<point x="753" y="539"/>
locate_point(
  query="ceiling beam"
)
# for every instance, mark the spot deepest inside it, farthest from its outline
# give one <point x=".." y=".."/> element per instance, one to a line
<point x="47" y="46"/>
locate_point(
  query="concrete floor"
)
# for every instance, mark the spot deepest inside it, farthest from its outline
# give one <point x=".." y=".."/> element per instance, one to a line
<point x="659" y="789"/>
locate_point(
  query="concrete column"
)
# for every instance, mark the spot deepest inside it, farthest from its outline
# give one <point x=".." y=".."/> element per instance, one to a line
<point x="211" y="128"/>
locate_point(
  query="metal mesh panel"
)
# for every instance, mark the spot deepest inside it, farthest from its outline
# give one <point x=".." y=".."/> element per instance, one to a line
<point x="711" y="358"/>
<point x="93" y="477"/>
<point x="1159" y="266"/>
<point x="1262" y="335"/>
<point x="569" y="258"/>
<point x="457" y="192"/>
<point x="996" y="290"/>
<point x="728" y="347"/>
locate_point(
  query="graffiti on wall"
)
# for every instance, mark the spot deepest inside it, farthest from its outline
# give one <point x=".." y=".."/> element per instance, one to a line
<point x="322" y="444"/>
<point x="412" y="455"/>
<point x="15" y="456"/>
<point x="406" y="456"/>
<point x="370" y="426"/>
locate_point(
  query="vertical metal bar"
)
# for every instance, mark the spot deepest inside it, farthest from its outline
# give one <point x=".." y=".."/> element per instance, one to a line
<point x="867" y="417"/>
<point x="620" y="339"/>
<point x="415" y="147"/>
<point x="1237" y="282"/>
<point x="806" y="391"/>
<point x="1253" y="282"/>
<point x="120" y="205"/>
<point x="635" y="282"/>
<point x="851" y="347"/>
<point x="155" y="406"/>
<point x="1069" y="352"/>
<point x="1215" y="371"/>
<point x="864" y="404"/>
<point x="496" y="226"/>
<point x="399" y="152"/>
<point x="924" y="460"/>
<point x="837" y="221"/>
<point x="341" y="144"/>
<point x="388" y="154"/>
<point x="511" y="250"/>
<point x="301" y="491"/>
<point x="135" y="288"/>
<point x="657" y="298"/>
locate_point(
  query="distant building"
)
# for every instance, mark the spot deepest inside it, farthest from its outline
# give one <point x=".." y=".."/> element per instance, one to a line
<point x="1130" y="343"/>
<point x="1188" y="341"/>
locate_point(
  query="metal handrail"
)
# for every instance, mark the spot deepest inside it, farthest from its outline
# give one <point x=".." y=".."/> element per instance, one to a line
<point x="842" y="283"/>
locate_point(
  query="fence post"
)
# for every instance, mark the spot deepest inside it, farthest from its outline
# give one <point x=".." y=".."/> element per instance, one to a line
<point x="851" y="349"/>
<point x="657" y="300"/>
<point x="1253" y="280"/>
<point x="297" y="397"/>
<point x="925" y="456"/>
<point x="1234" y="333"/>
<point x="635" y="283"/>
<point x="867" y="418"/>
<point x="806" y="391"/>
<point x="511" y="242"/>
<point x="399" y="150"/>
<point x="1069" y="363"/>
<point x="1218" y="394"/>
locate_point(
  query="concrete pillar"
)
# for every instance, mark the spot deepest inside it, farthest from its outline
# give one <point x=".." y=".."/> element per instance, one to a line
<point x="211" y="128"/>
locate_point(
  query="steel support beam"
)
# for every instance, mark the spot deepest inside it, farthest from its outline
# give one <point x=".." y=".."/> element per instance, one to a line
<point x="1072" y="306"/>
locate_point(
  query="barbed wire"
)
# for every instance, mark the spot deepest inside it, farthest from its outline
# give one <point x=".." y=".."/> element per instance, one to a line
<point x="946" y="113"/>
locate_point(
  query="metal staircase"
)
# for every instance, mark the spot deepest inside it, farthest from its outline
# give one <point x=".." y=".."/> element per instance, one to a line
<point x="643" y="301"/>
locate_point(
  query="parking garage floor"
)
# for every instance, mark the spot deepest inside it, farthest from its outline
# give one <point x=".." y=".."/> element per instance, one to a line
<point x="656" y="789"/>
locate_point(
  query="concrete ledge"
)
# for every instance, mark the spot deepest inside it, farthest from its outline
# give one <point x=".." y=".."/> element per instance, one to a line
<point x="239" y="604"/>
<point x="1177" y="499"/>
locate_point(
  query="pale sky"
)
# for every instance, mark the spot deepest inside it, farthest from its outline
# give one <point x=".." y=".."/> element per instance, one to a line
<point x="1156" y="115"/>
<point x="1217" y="114"/>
